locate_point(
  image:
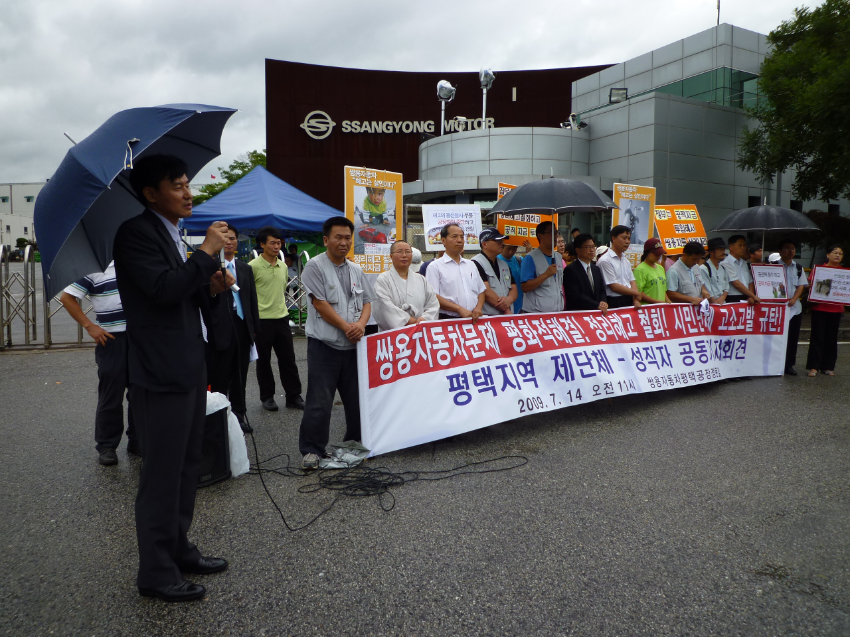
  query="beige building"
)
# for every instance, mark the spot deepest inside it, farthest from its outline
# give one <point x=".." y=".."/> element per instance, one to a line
<point x="17" y="204"/>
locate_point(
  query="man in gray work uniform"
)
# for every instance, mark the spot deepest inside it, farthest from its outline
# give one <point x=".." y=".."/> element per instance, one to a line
<point x="340" y="305"/>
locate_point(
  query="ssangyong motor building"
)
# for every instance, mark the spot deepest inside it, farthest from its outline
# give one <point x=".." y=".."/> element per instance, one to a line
<point x="678" y="131"/>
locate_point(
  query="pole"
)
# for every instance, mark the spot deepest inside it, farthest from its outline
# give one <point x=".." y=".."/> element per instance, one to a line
<point x="484" y="111"/>
<point x="718" y="12"/>
<point x="443" y="118"/>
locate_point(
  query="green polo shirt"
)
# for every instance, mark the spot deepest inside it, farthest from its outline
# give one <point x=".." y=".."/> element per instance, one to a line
<point x="271" y="287"/>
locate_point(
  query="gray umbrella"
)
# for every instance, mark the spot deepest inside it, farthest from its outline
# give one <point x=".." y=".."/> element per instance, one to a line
<point x="766" y="218"/>
<point x="552" y="196"/>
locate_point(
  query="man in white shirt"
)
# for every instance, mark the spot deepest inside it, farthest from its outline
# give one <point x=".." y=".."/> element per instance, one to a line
<point x="617" y="271"/>
<point x="714" y="275"/>
<point x="738" y="272"/>
<point x="795" y="284"/>
<point x="456" y="280"/>
<point x="403" y="297"/>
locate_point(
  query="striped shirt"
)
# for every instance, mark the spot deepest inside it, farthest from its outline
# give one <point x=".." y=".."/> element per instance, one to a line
<point x="102" y="290"/>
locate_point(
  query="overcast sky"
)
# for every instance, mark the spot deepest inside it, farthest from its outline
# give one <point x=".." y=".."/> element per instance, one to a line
<point x="67" y="65"/>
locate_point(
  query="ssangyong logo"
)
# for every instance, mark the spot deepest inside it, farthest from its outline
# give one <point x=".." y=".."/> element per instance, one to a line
<point x="318" y="124"/>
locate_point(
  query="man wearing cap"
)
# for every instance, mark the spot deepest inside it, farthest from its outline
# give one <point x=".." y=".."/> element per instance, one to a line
<point x="684" y="283"/>
<point x="619" y="278"/>
<point x="508" y="255"/>
<point x="500" y="292"/>
<point x="542" y="274"/>
<point x="457" y="282"/>
<point x="738" y="271"/>
<point x="584" y="285"/>
<point x="795" y="279"/>
<point x="600" y="251"/>
<point x="650" y="276"/>
<point x="714" y="276"/>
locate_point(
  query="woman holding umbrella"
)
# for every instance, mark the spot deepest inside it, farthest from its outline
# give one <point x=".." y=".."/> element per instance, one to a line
<point x="823" y="345"/>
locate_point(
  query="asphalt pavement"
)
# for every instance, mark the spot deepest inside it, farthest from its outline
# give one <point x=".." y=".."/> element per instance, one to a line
<point x="722" y="509"/>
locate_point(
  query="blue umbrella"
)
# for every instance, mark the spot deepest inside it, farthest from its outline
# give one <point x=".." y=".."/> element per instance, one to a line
<point x="80" y="209"/>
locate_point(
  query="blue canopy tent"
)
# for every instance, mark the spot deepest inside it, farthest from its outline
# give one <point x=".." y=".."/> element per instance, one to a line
<point x="260" y="199"/>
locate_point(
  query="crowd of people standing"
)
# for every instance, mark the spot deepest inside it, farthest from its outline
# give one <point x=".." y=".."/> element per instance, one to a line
<point x="170" y="326"/>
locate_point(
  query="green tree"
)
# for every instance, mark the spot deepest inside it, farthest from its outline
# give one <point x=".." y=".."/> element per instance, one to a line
<point x="833" y="229"/>
<point x="804" y="122"/>
<point x="243" y="164"/>
<point x="22" y="243"/>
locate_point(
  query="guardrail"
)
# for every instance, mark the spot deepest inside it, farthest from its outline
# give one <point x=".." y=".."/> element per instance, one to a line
<point x="17" y="304"/>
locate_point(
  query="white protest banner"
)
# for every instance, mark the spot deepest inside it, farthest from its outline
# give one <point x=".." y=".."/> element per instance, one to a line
<point x="769" y="281"/>
<point x="830" y="285"/>
<point x="438" y="379"/>
<point x="465" y="215"/>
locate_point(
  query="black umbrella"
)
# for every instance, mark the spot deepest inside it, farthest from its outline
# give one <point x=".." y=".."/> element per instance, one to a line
<point x="552" y="196"/>
<point x="766" y="218"/>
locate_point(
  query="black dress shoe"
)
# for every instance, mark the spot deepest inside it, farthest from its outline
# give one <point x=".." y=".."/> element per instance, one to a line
<point x="295" y="403"/>
<point x="790" y="371"/>
<point x="205" y="566"/>
<point x="107" y="457"/>
<point x="243" y="423"/>
<point x="269" y="404"/>
<point x="182" y="591"/>
<point x="134" y="448"/>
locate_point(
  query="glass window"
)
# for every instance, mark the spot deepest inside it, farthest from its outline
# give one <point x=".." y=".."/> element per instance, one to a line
<point x="4" y="200"/>
<point x="25" y="229"/>
<point x="29" y="199"/>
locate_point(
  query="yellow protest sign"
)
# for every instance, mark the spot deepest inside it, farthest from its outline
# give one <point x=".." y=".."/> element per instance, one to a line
<point x="677" y="224"/>
<point x="635" y="211"/>
<point x="373" y="202"/>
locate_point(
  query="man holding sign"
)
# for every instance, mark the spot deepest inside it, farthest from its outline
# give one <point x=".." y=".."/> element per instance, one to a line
<point x="795" y="279"/>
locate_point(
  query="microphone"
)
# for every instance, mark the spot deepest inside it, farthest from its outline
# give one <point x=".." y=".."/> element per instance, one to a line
<point x="233" y="288"/>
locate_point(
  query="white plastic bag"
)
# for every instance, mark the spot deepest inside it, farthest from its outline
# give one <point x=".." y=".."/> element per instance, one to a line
<point x="238" y="451"/>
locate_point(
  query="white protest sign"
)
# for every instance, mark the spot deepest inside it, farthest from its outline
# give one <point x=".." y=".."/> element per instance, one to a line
<point x="436" y="216"/>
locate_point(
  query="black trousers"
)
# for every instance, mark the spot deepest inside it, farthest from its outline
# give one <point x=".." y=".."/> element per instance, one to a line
<point x="620" y="301"/>
<point x="170" y="426"/>
<point x="793" y="338"/>
<point x="823" y="344"/>
<point x="735" y="298"/>
<point x="328" y="370"/>
<point x="227" y="369"/>
<point x="276" y="334"/>
<point x="112" y="383"/>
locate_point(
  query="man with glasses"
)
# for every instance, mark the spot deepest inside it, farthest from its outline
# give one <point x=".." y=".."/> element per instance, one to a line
<point x="403" y="297"/>
<point x="584" y="285"/>
<point x="542" y="274"/>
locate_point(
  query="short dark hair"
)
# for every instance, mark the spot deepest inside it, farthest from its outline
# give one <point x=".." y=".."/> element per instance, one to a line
<point x="735" y="238"/>
<point x="616" y="231"/>
<point x="754" y="247"/>
<point x="269" y="231"/>
<point x="580" y="240"/>
<point x="444" y="231"/>
<point x="288" y="255"/>
<point x="543" y="227"/>
<point x="693" y="247"/>
<point x="329" y="224"/>
<point x="233" y="229"/>
<point x="833" y="247"/>
<point x="293" y="246"/>
<point x="574" y="230"/>
<point x="570" y="249"/>
<point x="152" y="170"/>
<point x="788" y="240"/>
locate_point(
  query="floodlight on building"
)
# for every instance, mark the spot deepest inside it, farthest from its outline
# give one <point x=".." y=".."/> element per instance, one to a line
<point x="486" y="77"/>
<point x="617" y="95"/>
<point x="574" y="122"/>
<point x="445" y="93"/>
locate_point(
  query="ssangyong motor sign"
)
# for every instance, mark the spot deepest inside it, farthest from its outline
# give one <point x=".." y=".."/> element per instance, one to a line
<point x="319" y="125"/>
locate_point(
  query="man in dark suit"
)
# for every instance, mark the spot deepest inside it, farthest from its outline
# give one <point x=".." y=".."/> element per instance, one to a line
<point x="163" y="294"/>
<point x="584" y="285"/>
<point x="235" y="324"/>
